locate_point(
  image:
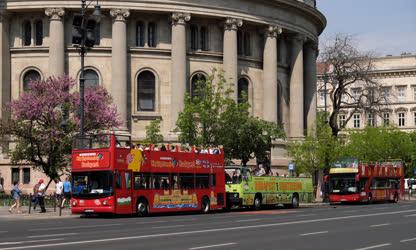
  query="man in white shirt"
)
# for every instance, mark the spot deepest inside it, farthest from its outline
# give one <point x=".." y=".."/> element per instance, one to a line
<point x="59" y="186"/>
<point x="41" y="195"/>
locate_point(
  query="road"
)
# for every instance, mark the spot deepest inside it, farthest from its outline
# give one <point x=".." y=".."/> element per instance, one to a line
<point x="376" y="226"/>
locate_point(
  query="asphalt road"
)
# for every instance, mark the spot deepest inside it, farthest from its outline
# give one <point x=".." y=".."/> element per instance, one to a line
<point x="377" y="226"/>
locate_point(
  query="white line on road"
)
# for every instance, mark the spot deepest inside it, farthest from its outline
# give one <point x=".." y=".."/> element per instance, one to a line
<point x="380" y="225"/>
<point x="321" y="232"/>
<point x="28" y="241"/>
<point x="77" y="227"/>
<point x="375" y="246"/>
<point x="2" y="232"/>
<point x="247" y="220"/>
<point x="51" y="235"/>
<point x="305" y="215"/>
<point x="136" y="237"/>
<point x="406" y="240"/>
<point x="211" y="246"/>
<point x="410" y="215"/>
<point x="168" y="227"/>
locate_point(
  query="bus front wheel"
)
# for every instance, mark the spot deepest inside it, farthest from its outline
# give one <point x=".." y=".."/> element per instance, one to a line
<point x="205" y="206"/>
<point x="257" y="202"/>
<point x="295" y="201"/>
<point x="142" y="208"/>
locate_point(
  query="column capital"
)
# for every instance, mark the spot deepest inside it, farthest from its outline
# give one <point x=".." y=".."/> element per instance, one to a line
<point x="273" y="31"/>
<point x="232" y="23"/>
<point x="120" y="14"/>
<point x="180" y="18"/>
<point x="55" y="13"/>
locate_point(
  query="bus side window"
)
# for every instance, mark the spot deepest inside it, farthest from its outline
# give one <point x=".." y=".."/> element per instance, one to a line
<point x="118" y="180"/>
<point x="186" y="181"/>
<point x="212" y="180"/>
<point x="128" y="180"/>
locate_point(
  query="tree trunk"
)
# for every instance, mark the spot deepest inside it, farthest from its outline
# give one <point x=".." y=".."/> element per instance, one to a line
<point x="320" y="174"/>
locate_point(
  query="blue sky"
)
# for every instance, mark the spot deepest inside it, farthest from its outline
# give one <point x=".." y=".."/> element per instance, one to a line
<point x="382" y="26"/>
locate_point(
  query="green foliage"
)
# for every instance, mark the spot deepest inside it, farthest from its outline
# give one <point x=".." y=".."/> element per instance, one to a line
<point x="153" y="134"/>
<point x="315" y="153"/>
<point x="213" y="118"/>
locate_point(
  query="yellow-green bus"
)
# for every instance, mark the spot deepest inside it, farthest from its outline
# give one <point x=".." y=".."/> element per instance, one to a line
<point x="246" y="190"/>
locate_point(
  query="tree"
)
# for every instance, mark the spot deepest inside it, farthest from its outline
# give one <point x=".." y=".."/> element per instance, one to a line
<point x="212" y="118"/>
<point x="153" y="132"/>
<point x="43" y="122"/>
<point x="345" y="68"/>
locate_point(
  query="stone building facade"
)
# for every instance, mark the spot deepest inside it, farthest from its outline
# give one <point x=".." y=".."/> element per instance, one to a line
<point x="397" y="76"/>
<point x="149" y="53"/>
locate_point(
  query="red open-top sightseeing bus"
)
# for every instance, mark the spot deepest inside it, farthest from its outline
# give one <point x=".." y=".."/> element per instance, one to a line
<point x="366" y="182"/>
<point x="110" y="177"/>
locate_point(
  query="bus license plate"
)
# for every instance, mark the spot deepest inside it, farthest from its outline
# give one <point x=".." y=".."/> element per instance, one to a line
<point x="88" y="211"/>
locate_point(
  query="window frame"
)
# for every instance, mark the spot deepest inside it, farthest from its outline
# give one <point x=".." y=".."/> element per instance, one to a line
<point x="139" y="90"/>
<point x="151" y="34"/>
<point x="140" y="34"/>
<point x="38" y="39"/>
<point x="401" y="94"/>
<point x="26" y="33"/>
<point x="239" y="92"/>
<point x="401" y="119"/>
<point x="357" y="121"/>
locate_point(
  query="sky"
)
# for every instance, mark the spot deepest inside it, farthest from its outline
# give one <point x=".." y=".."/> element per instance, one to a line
<point x="386" y="27"/>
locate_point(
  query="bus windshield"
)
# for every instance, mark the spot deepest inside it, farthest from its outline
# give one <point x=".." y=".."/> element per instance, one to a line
<point x="236" y="175"/>
<point x="92" y="184"/>
<point x="343" y="184"/>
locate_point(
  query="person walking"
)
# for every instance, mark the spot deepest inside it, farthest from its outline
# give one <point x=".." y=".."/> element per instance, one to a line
<point x="67" y="191"/>
<point x="16" y="194"/>
<point x="58" y="191"/>
<point x="41" y="195"/>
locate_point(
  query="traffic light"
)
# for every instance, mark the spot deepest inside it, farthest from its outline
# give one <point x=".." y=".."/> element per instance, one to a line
<point x="90" y="33"/>
<point x="77" y="30"/>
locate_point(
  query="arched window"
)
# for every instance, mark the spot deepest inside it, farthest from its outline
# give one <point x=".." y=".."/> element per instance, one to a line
<point x="140" y="34"/>
<point x="204" y="38"/>
<point x="91" y="78"/>
<point x="39" y="32"/>
<point x="242" y="90"/>
<point x="197" y="81"/>
<point x="151" y="35"/>
<point x="146" y="92"/>
<point x="194" y="37"/>
<point x="29" y="76"/>
<point x="27" y="33"/>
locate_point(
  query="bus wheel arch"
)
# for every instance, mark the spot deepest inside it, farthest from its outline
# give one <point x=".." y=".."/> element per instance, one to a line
<point x="295" y="200"/>
<point x="258" y="198"/>
<point x="370" y="198"/>
<point x="205" y="204"/>
<point x="142" y="206"/>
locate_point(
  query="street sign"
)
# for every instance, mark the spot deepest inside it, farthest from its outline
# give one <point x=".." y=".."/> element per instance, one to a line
<point x="291" y="166"/>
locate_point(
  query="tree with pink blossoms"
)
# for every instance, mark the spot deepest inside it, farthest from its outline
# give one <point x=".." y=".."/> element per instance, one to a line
<point x="44" y="121"/>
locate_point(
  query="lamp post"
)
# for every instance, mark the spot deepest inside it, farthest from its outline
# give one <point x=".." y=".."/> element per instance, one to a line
<point x="83" y="37"/>
<point x="325" y="77"/>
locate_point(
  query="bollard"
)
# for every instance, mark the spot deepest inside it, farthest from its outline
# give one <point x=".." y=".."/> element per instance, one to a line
<point x="54" y="203"/>
<point x="30" y="202"/>
<point x="60" y="205"/>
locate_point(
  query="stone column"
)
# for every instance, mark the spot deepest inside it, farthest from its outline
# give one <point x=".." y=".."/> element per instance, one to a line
<point x="56" y="41"/>
<point x="296" y="89"/>
<point x="270" y="88"/>
<point x="178" y="66"/>
<point x="284" y="81"/>
<point x="230" y="56"/>
<point x="5" y="81"/>
<point x="119" y="63"/>
<point x="311" y="52"/>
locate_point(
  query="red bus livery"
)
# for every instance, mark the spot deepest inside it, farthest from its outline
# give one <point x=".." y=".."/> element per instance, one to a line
<point x="110" y="177"/>
<point x="366" y="182"/>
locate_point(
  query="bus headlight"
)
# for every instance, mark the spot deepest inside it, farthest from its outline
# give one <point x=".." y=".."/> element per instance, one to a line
<point x="362" y="194"/>
<point x="235" y="195"/>
<point x="74" y="203"/>
<point x="105" y="202"/>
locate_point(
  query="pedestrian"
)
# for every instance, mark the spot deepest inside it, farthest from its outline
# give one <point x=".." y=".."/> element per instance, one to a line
<point x="67" y="191"/>
<point x="35" y="198"/>
<point x="16" y="193"/>
<point x="41" y="195"/>
<point x="59" y="190"/>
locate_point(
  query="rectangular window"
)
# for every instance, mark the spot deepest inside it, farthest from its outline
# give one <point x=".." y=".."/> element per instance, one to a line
<point x="97" y="34"/>
<point x="127" y="176"/>
<point x="401" y="94"/>
<point x="202" y="180"/>
<point x="356" y="120"/>
<point x="212" y="180"/>
<point x="151" y="35"/>
<point x="118" y="180"/>
<point x="142" y="181"/>
<point x="15" y="175"/>
<point x="26" y="175"/>
<point x="203" y="38"/>
<point x="386" y="119"/>
<point x="240" y="42"/>
<point x="161" y="181"/>
<point x="187" y="181"/>
<point x="322" y="97"/>
<point x="342" y="121"/>
<point x="370" y="120"/>
<point x="194" y="37"/>
<point x="356" y="94"/>
<point x="402" y="119"/>
<point x="386" y="94"/>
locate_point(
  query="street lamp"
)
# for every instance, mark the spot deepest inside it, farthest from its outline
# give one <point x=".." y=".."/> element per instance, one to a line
<point x="83" y="38"/>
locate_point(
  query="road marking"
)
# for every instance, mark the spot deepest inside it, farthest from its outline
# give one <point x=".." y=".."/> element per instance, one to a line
<point x="375" y="246"/>
<point x="51" y="235"/>
<point x="380" y="225"/>
<point x="168" y="227"/>
<point x="151" y="222"/>
<point x="2" y="232"/>
<point x="28" y="241"/>
<point x="410" y="215"/>
<point x="406" y="240"/>
<point x="77" y="227"/>
<point x="211" y="230"/>
<point x="321" y="232"/>
<point x="211" y="246"/>
<point x="247" y="220"/>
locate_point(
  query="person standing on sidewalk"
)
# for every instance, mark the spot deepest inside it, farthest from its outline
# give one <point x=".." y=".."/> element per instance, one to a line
<point x="41" y="196"/>
<point x="67" y="191"/>
<point x="58" y="191"/>
<point x="16" y="193"/>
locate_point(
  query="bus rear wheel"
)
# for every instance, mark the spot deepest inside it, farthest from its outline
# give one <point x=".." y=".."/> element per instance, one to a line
<point x="142" y="208"/>
<point x="257" y="202"/>
<point x="205" y="206"/>
<point x="295" y="201"/>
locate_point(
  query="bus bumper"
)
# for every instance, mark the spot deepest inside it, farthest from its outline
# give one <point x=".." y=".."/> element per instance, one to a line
<point x="92" y="210"/>
<point x="335" y="198"/>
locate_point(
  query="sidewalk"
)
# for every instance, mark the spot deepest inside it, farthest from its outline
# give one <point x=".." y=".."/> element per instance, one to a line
<point x="49" y="214"/>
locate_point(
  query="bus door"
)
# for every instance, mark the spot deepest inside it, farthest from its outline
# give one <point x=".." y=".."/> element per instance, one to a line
<point x="123" y="192"/>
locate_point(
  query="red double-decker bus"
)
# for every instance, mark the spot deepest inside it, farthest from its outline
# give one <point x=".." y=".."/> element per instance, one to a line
<point x="366" y="182"/>
<point x="110" y="177"/>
